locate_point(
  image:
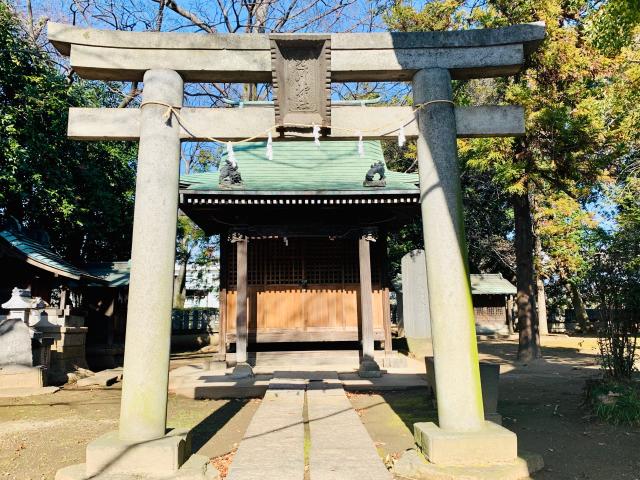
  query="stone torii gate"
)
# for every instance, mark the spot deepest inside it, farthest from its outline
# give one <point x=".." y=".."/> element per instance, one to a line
<point x="301" y="68"/>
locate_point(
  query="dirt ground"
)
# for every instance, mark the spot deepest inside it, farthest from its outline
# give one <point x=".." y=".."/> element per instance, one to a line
<point x="541" y="402"/>
<point x="39" y="435"/>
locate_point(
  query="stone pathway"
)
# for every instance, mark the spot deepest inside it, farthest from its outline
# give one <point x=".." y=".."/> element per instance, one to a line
<point x="306" y="428"/>
<point x="341" y="448"/>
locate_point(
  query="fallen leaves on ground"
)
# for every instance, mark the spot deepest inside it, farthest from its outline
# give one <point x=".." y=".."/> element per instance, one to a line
<point x="222" y="463"/>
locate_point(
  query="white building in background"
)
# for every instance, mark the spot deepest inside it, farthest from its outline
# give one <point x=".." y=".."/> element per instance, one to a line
<point x="202" y="284"/>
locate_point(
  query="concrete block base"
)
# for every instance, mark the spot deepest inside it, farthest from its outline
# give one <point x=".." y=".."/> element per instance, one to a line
<point x="242" y="370"/>
<point x="413" y="465"/>
<point x="110" y="458"/>
<point x="491" y="444"/>
<point x="109" y="453"/>
<point x="369" y="369"/>
<point x="196" y="468"/>
<point x="21" y="376"/>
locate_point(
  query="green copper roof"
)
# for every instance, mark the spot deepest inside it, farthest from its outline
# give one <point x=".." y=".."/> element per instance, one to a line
<point x="491" y="284"/>
<point x="40" y="256"/>
<point x="305" y="166"/>
<point x="115" y="274"/>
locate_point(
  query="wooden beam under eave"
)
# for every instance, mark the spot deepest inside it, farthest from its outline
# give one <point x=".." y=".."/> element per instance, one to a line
<point x="232" y="124"/>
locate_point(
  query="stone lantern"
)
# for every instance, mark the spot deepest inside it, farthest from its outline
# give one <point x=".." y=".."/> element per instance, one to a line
<point x="24" y="351"/>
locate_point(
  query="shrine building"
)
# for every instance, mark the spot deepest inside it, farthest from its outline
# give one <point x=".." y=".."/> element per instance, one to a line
<point x="303" y="215"/>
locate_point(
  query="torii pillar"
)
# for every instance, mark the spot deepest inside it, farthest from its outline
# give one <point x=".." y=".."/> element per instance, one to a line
<point x="462" y="435"/>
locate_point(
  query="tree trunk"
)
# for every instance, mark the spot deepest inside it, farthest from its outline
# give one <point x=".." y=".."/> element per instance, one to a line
<point x="542" y="296"/>
<point x="578" y="307"/>
<point x="529" y="343"/>
<point x="180" y="284"/>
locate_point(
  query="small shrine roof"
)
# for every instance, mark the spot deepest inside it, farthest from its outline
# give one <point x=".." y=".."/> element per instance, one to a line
<point x="39" y="255"/>
<point x="491" y="284"/>
<point x="304" y="167"/>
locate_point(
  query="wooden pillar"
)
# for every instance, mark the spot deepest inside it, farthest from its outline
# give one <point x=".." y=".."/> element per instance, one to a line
<point x="222" y="319"/>
<point x="222" y="299"/>
<point x="385" y="283"/>
<point x="368" y="366"/>
<point x="386" y="319"/>
<point x="242" y="368"/>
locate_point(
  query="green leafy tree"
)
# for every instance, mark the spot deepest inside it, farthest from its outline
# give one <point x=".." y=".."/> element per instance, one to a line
<point x="568" y="146"/>
<point x="566" y="231"/>
<point x="81" y="194"/>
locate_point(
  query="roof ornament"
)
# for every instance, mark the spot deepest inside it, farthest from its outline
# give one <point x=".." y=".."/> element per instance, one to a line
<point x="229" y="174"/>
<point x="378" y="168"/>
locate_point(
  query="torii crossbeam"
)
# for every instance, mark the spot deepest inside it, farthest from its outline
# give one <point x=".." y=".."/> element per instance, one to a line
<point x="301" y="67"/>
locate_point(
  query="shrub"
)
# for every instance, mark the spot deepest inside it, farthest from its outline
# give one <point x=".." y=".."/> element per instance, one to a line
<point x="615" y="402"/>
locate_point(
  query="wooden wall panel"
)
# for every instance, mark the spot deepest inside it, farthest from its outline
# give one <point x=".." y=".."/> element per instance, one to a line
<point x="316" y="308"/>
<point x="282" y="306"/>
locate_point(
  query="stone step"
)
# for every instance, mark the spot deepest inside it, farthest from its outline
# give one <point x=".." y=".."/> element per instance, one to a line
<point x="337" y="444"/>
<point x="318" y="358"/>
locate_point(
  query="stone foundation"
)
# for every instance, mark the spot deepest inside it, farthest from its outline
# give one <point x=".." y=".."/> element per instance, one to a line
<point x="21" y="376"/>
<point x="111" y="458"/>
<point x="413" y="465"/>
<point x="490" y="444"/>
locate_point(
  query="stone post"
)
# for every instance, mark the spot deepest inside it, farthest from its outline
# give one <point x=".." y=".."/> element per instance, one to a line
<point x="462" y="435"/>
<point x="415" y="303"/>
<point x="143" y="410"/>
<point x="368" y="365"/>
<point x="242" y="368"/>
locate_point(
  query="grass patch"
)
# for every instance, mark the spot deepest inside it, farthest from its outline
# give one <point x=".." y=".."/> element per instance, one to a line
<point x="614" y="402"/>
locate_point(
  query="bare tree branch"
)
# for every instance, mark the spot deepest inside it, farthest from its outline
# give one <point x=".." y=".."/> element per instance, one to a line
<point x="192" y="17"/>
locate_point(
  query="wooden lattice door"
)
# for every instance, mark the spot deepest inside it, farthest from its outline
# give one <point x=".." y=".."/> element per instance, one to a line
<point x="303" y="289"/>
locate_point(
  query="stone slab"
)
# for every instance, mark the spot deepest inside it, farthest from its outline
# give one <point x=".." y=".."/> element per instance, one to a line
<point x="103" y="378"/>
<point x="491" y="444"/>
<point x="162" y="456"/>
<point x="198" y="467"/>
<point x="273" y="445"/>
<point x="26" y="392"/>
<point x="341" y="448"/>
<point x="21" y="376"/>
<point x="193" y="381"/>
<point x="352" y="382"/>
<point x="412" y="465"/>
<point x="15" y="343"/>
